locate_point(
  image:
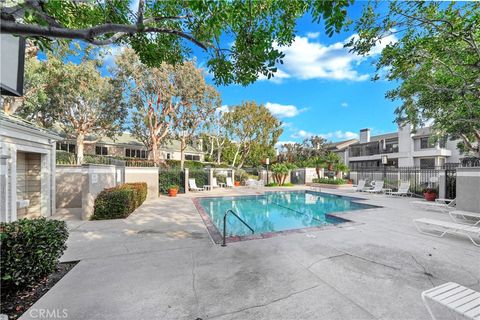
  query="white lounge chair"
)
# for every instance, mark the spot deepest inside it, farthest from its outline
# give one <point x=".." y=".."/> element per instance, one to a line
<point x="403" y="190"/>
<point x="192" y="186"/>
<point x="378" y="188"/>
<point x="446" y="207"/>
<point x="472" y="218"/>
<point x="361" y="186"/>
<point x="444" y="227"/>
<point x="214" y="183"/>
<point x="461" y="300"/>
<point x="229" y="183"/>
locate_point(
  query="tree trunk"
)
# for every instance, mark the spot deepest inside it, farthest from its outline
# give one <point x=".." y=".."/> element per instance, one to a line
<point x="236" y="155"/>
<point x="182" y="150"/>
<point x="80" y="145"/>
<point x="154" y="154"/>
<point x="219" y="154"/>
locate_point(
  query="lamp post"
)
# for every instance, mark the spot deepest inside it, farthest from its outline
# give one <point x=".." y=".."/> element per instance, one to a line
<point x="267" y="162"/>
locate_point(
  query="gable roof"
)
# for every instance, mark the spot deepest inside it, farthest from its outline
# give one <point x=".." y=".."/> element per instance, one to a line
<point x="27" y="126"/>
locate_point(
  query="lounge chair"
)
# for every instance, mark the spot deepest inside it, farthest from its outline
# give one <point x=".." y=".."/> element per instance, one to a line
<point x="378" y="188"/>
<point x="229" y="183"/>
<point x="192" y="186"/>
<point x="442" y="206"/>
<point x="444" y="227"/>
<point x="361" y="186"/>
<point x="461" y="300"/>
<point x="214" y="183"/>
<point x="403" y="190"/>
<point x="472" y="218"/>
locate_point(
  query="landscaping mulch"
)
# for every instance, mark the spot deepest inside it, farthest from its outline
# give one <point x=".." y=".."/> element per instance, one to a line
<point x="14" y="304"/>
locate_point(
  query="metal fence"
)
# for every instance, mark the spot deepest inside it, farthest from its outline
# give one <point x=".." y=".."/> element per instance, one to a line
<point x="68" y="158"/>
<point x="420" y="178"/>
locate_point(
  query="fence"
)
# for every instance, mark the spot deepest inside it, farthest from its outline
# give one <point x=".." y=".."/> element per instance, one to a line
<point x="419" y="178"/>
<point x="66" y="158"/>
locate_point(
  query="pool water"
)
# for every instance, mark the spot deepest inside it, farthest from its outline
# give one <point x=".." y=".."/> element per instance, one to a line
<point x="278" y="211"/>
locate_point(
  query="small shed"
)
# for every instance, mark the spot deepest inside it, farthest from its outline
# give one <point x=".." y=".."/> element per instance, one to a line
<point x="27" y="169"/>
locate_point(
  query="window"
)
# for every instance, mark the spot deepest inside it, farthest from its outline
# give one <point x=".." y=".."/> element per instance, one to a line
<point x="136" y="153"/>
<point x="168" y="156"/>
<point x="192" y="157"/>
<point x="427" y="163"/>
<point x="426" y="143"/>
<point x="101" y="150"/>
<point x="65" y="146"/>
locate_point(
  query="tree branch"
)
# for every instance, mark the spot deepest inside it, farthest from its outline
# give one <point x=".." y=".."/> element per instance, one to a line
<point x="89" y="34"/>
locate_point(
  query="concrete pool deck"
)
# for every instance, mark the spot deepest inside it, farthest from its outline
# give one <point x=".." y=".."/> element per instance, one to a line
<point x="160" y="263"/>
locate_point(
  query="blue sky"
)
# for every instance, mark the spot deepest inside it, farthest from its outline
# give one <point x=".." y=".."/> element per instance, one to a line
<point x="321" y="89"/>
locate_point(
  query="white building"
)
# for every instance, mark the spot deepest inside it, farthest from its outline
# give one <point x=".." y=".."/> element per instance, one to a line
<point x="27" y="169"/>
<point x="400" y="149"/>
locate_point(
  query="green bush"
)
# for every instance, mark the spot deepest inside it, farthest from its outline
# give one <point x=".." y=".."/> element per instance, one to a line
<point x="329" y="181"/>
<point x="200" y="176"/>
<point x="119" y="202"/>
<point x="168" y="177"/>
<point x="30" y="250"/>
<point x="140" y="191"/>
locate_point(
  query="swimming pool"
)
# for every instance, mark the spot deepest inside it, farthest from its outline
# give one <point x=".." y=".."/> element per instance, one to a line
<point x="275" y="211"/>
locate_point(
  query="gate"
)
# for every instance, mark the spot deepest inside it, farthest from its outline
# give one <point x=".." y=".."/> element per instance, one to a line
<point x="450" y="183"/>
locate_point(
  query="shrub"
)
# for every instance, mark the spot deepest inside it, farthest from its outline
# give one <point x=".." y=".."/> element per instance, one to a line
<point x="30" y="250"/>
<point x="119" y="202"/>
<point x="200" y="176"/>
<point x="329" y="181"/>
<point x="167" y="177"/>
<point x="114" y="203"/>
<point x="272" y="184"/>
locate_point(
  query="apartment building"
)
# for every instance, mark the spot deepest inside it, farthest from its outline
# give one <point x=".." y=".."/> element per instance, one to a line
<point x="403" y="148"/>
<point x="127" y="146"/>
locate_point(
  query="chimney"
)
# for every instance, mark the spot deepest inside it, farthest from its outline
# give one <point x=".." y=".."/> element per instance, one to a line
<point x="364" y="135"/>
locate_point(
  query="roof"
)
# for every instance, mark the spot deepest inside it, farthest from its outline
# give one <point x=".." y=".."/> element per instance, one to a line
<point x="379" y="137"/>
<point x="29" y="126"/>
<point x="340" y="145"/>
<point x="126" y="139"/>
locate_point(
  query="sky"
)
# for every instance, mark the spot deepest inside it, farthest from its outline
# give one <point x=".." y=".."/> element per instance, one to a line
<point x="321" y="89"/>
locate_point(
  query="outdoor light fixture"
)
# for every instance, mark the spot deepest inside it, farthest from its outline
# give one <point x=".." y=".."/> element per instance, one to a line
<point x="384" y="159"/>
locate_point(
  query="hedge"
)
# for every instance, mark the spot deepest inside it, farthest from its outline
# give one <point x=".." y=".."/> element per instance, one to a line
<point x="119" y="202"/>
<point x="30" y="250"/>
<point x="329" y="181"/>
<point x="168" y="177"/>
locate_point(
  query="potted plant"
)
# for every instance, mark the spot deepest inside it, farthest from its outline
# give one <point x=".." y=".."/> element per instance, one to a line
<point x="430" y="194"/>
<point x="172" y="190"/>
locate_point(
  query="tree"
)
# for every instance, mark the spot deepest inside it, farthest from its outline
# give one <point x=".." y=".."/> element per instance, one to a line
<point x="309" y="152"/>
<point x="198" y="101"/>
<point x="165" y="31"/>
<point x="251" y="126"/>
<point x="153" y="95"/>
<point x="216" y="135"/>
<point x="436" y="62"/>
<point x="73" y="97"/>
<point x="280" y="172"/>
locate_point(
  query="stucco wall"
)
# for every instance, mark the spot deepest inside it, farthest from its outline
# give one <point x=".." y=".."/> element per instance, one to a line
<point x="468" y="189"/>
<point x="148" y="175"/>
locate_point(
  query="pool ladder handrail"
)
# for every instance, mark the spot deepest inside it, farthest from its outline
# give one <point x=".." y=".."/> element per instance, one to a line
<point x="224" y="244"/>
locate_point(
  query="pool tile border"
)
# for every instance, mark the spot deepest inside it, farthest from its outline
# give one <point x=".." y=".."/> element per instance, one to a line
<point x="217" y="238"/>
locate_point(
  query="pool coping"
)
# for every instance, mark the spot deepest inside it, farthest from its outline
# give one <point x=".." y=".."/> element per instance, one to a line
<point x="217" y="237"/>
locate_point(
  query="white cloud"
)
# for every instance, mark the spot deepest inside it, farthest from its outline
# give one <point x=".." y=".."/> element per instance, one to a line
<point x="339" y="135"/>
<point x="307" y="59"/>
<point x="110" y="53"/>
<point x="224" y="108"/>
<point x="277" y="78"/>
<point x="279" y="144"/>
<point x="282" y="110"/>
<point x="302" y="134"/>
<point x="344" y="104"/>
<point x="313" y="35"/>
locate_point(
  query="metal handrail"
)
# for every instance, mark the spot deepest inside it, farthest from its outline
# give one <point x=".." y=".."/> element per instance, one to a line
<point x="224" y="244"/>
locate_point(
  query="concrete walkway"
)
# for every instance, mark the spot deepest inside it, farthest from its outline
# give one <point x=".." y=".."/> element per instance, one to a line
<point x="160" y="263"/>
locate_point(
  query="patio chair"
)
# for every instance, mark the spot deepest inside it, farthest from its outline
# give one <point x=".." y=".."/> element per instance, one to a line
<point x="192" y="186"/>
<point x="444" y="227"/>
<point x="229" y="183"/>
<point x="442" y="206"/>
<point x="214" y="183"/>
<point x="378" y="188"/>
<point x="472" y="218"/>
<point x="459" y="299"/>
<point x="361" y="186"/>
<point x="403" y="190"/>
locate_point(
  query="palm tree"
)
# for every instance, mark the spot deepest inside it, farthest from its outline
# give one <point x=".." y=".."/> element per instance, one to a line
<point x="331" y="159"/>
